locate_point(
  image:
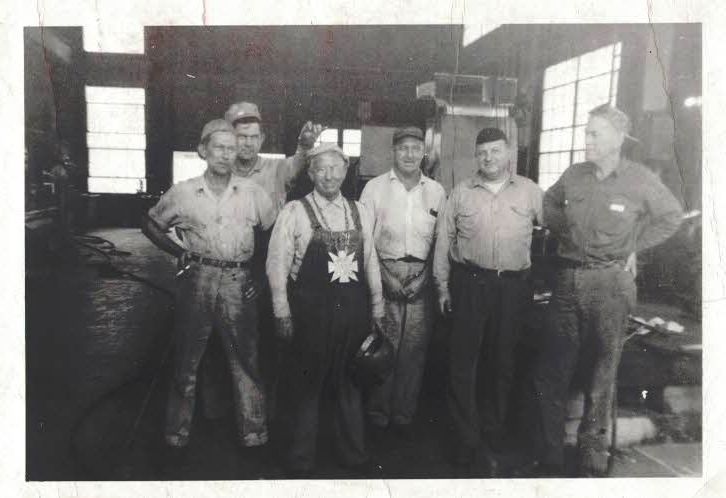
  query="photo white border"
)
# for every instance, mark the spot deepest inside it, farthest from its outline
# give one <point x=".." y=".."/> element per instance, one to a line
<point x="17" y="14"/>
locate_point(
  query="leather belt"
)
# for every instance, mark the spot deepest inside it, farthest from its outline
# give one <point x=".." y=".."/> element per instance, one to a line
<point x="589" y="265"/>
<point x="476" y="271"/>
<point x="411" y="259"/>
<point x="219" y="263"/>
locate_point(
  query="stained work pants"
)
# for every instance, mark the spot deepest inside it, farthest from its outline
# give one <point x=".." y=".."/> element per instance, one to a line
<point x="586" y="322"/>
<point x="408" y="326"/>
<point x="210" y="298"/>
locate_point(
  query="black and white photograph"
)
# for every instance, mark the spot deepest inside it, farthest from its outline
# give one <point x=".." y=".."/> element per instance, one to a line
<point x="354" y="252"/>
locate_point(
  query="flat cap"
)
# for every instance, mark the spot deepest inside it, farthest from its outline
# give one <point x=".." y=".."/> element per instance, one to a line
<point x="407" y="131"/>
<point x="214" y="126"/>
<point x="242" y="110"/>
<point x="490" y="135"/>
<point x="325" y="148"/>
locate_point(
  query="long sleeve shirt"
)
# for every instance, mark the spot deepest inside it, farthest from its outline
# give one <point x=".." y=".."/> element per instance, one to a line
<point x="289" y="242"/>
<point x="486" y="229"/>
<point x="404" y="221"/>
<point x="216" y="227"/>
<point x="606" y="220"/>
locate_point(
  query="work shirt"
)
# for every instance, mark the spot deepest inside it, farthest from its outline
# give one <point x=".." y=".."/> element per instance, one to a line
<point x="216" y="227"/>
<point x="274" y="175"/>
<point x="404" y="221"/>
<point x="290" y="239"/>
<point x="485" y="229"/>
<point x="607" y="220"/>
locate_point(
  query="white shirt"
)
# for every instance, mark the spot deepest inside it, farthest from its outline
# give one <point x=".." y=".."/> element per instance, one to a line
<point x="404" y="220"/>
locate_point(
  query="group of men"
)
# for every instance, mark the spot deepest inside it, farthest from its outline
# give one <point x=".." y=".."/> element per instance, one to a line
<point x="337" y="268"/>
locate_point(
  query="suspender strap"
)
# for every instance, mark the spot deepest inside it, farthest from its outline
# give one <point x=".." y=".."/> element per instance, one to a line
<point x="356" y="215"/>
<point x="314" y="223"/>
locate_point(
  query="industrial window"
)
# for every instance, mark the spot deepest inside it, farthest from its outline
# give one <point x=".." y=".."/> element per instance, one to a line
<point x="571" y="89"/>
<point x="348" y="139"/>
<point x="116" y="138"/>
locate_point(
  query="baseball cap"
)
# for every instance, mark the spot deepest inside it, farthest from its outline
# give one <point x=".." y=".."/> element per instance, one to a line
<point x="242" y="110"/>
<point x="213" y="126"/>
<point x="407" y="131"/>
<point x="327" y="147"/>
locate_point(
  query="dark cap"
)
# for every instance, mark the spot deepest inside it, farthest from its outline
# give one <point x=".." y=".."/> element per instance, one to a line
<point x="407" y="131"/>
<point x="490" y="135"/>
<point x="246" y="111"/>
<point x="214" y="126"/>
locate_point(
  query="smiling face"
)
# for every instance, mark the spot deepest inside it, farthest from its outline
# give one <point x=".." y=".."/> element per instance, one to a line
<point x="249" y="140"/>
<point x="602" y="139"/>
<point x="220" y="151"/>
<point x="327" y="171"/>
<point x="407" y="155"/>
<point x="493" y="159"/>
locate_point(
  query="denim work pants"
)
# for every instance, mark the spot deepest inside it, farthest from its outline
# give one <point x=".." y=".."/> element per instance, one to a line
<point x="408" y="326"/>
<point x="211" y="299"/>
<point x="586" y="322"/>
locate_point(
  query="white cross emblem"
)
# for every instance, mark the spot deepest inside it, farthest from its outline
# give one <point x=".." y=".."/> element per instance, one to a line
<point x="343" y="267"/>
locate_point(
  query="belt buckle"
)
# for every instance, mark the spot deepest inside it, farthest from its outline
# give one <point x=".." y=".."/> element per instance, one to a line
<point x="499" y="273"/>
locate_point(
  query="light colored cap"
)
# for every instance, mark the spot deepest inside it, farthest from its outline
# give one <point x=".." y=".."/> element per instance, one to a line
<point x="242" y="110"/>
<point x="325" y="148"/>
<point x="214" y="126"/>
<point x="617" y="118"/>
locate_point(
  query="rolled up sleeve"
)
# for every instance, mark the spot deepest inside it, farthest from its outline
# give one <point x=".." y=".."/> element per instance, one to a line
<point x="166" y="212"/>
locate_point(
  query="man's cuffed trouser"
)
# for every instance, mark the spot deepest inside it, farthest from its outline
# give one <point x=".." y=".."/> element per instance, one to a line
<point x="210" y="298"/>
<point x="586" y="324"/>
<point x="408" y="326"/>
<point x="488" y="314"/>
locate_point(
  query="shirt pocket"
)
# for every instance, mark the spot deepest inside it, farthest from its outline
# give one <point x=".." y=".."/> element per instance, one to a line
<point x="575" y="205"/>
<point x="425" y="224"/>
<point x="617" y="216"/>
<point x="467" y="220"/>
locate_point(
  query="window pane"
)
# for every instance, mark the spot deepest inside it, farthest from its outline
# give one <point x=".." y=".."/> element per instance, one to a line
<point x="592" y="93"/>
<point x="596" y="62"/>
<point x="115" y="95"/>
<point x="116" y="141"/>
<point x="564" y="72"/>
<point x="352" y="150"/>
<point x="186" y="165"/>
<point x="578" y="156"/>
<point x="329" y="136"/>
<point x="104" y="185"/>
<point x="114" y="162"/>
<point x="351" y="136"/>
<point x="115" y="118"/>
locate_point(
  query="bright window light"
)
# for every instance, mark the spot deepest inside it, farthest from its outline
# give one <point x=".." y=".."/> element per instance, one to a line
<point x="351" y="142"/>
<point x="571" y="89"/>
<point x="472" y="32"/>
<point x="186" y="165"/>
<point x="116" y="138"/>
<point x="328" y="136"/>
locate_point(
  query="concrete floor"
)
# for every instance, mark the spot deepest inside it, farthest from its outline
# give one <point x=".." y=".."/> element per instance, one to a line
<point x="97" y="372"/>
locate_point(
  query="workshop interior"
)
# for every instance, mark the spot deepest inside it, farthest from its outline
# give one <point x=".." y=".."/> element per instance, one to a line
<point x="108" y="130"/>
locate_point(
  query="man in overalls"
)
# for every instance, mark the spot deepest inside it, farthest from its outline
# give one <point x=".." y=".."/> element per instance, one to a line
<point x="215" y="215"/>
<point x="326" y="287"/>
